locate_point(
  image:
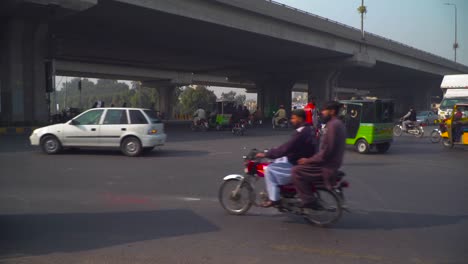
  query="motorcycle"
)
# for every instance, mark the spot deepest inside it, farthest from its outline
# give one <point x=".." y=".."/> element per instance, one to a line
<point x="200" y="125"/>
<point x="238" y="193"/>
<point x="415" y="129"/>
<point x="239" y="128"/>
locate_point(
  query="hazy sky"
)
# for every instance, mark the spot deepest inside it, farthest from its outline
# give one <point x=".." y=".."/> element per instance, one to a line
<point x="423" y="24"/>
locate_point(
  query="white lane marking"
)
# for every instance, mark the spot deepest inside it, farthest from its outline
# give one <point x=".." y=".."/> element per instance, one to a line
<point x="191" y="199"/>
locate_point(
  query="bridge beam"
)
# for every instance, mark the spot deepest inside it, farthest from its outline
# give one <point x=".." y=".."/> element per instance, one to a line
<point x="165" y="101"/>
<point x="23" y="53"/>
<point x="321" y="84"/>
<point x="273" y="92"/>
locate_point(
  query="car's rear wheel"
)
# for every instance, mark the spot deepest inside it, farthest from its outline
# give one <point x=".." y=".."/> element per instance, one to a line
<point x="51" y="145"/>
<point x="131" y="146"/>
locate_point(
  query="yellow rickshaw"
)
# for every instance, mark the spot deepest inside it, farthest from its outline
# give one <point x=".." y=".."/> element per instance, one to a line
<point x="455" y="129"/>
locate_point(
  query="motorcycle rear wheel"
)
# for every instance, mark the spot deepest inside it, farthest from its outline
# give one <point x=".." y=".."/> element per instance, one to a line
<point x="332" y="209"/>
<point x="420" y="133"/>
<point x="235" y="196"/>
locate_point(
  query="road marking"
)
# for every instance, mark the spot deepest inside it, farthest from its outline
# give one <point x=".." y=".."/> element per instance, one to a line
<point x="190" y="199"/>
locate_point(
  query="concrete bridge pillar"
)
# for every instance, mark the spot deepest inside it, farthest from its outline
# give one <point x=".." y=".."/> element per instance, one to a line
<point x="321" y="84"/>
<point x="165" y="102"/>
<point x="23" y="53"/>
<point x="271" y="93"/>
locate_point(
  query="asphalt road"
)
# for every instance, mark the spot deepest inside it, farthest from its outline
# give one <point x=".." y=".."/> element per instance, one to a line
<point x="407" y="206"/>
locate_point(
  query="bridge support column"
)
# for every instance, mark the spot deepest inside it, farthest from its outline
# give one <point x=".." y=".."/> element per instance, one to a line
<point x="271" y="93"/>
<point x="165" y="100"/>
<point x="23" y="49"/>
<point x="321" y="85"/>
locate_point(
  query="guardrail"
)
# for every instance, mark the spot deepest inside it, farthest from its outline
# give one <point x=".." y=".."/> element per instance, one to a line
<point x="357" y="30"/>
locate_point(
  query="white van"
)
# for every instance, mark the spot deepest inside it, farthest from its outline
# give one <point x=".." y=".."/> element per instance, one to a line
<point x="455" y="88"/>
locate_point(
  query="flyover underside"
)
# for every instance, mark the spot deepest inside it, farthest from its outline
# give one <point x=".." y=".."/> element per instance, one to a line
<point x="112" y="39"/>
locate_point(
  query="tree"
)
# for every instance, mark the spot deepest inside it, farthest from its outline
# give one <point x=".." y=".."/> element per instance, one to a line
<point x="194" y="96"/>
<point x="230" y="96"/>
<point x="240" y="99"/>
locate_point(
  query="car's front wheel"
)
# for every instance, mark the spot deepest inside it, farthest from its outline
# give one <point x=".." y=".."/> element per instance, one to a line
<point x="51" y="145"/>
<point x="131" y="146"/>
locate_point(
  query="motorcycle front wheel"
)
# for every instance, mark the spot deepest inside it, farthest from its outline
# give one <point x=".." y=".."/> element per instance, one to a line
<point x="435" y="136"/>
<point x="397" y="130"/>
<point x="235" y="196"/>
<point x="330" y="212"/>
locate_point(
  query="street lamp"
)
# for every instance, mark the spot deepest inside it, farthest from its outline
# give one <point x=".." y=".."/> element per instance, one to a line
<point x="455" y="44"/>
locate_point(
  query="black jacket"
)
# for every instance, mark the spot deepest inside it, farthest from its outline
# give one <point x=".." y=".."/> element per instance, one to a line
<point x="303" y="144"/>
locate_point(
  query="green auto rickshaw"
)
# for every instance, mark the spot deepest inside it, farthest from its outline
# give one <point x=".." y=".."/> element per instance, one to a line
<point x="223" y="112"/>
<point x="369" y="124"/>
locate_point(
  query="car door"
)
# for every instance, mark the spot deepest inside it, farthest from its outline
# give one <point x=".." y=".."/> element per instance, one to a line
<point x="83" y="131"/>
<point x="114" y="125"/>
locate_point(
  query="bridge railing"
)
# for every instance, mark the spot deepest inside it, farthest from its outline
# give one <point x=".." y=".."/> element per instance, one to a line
<point x="355" y="29"/>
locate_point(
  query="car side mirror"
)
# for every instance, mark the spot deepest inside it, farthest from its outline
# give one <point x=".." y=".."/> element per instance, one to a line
<point x="73" y="122"/>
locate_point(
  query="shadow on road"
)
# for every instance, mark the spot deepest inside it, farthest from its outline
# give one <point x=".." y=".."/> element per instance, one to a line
<point x="47" y="233"/>
<point x="395" y="220"/>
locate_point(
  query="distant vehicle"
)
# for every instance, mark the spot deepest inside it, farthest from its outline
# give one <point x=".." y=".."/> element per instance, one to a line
<point x="132" y="130"/>
<point x="427" y="117"/>
<point x="455" y="88"/>
<point x="368" y="124"/>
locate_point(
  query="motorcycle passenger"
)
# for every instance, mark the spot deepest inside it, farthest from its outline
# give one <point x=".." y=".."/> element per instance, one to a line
<point x="323" y="166"/>
<point x="301" y="145"/>
<point x="409" y="119"/>
<point x="280" y="114"/>
<point x="199" y="115"/>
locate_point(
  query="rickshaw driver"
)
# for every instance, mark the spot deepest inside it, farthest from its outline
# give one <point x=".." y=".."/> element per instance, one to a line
<point x="458" y="124"/>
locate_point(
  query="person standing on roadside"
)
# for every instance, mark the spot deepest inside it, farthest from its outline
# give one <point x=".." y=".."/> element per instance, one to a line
<point x="311" y="112"/>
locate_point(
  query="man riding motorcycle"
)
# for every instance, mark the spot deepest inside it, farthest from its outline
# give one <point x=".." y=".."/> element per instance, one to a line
<point x="409" y="119"/>
<point x="301" y="145"/>
<point x="324" y="165"/>
<point x="280" y="114"/>
<point x="199" y="115"/>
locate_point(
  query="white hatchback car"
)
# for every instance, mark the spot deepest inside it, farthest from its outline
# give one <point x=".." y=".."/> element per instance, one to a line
<point x="133" y="130"/>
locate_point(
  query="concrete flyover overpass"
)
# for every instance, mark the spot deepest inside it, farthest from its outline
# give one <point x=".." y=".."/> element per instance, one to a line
<point x="258" y="44"/>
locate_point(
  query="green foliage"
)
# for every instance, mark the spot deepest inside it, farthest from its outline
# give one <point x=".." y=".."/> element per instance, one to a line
<point x="193" y="96"/>
<point x="233" y="96"/>
<point x="109" y="91"/>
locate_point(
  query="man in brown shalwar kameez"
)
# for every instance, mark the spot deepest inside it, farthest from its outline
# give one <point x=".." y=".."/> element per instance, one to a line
<point x="324" y="165"/>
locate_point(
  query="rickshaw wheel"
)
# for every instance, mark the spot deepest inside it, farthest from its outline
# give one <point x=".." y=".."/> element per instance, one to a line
<point x="383" y="147"/>
<point x="362" y="146"/>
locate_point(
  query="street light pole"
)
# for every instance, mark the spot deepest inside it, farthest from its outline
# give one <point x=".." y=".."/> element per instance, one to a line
<point x="455" y="44"/>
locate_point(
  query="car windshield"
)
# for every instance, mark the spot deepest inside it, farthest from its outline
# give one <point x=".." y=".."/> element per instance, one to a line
<point x="153" y="116"/>
<point x="451" y="102"/>
<point x="423" y="113"/>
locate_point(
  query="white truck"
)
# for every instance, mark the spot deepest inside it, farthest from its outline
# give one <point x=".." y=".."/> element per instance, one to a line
<point x="455" y="88"/>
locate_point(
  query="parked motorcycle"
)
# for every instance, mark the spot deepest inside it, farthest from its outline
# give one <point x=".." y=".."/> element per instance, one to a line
<point x="415" y="129"/>
<point x="238" y="194"/>
<point x="200" y="125"/>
